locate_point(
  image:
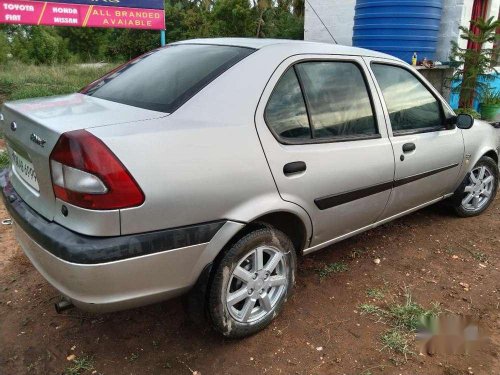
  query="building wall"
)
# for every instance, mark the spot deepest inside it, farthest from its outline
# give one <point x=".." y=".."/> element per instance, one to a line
<point x="338" y="16"/>
<point x="455" y="13"/>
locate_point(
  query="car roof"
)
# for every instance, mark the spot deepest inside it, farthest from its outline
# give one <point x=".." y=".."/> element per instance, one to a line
<point x="298" y="46"/>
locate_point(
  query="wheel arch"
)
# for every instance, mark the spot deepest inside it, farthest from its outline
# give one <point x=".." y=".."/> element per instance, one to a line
<point x="291" y="224"/>
<point x="491" y="154"/>
<point x="288" y="223"/>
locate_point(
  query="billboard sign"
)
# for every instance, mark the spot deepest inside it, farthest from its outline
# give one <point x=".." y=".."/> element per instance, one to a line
<point x="147" y="4"/>
<point x="85" y="13"/>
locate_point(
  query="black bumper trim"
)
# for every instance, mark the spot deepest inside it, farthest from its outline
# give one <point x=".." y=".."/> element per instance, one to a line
<point x="80" y="249"/>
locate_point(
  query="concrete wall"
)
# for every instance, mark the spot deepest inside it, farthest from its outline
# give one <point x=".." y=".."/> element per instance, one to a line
<point x="338" y="16"/>
<point x="455" y="13"/>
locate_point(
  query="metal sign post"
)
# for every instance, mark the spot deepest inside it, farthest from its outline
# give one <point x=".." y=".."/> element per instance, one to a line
<point x="163" y="38"/>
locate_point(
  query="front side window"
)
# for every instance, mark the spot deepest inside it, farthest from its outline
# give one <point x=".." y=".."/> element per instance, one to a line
<point x="338" y="100"/>
<point x="411" y="105"/>
<point x="164" y="79"/>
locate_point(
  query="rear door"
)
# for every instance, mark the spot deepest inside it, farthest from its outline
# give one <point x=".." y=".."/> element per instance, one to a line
<point x="326" y="142"/>
<point x="428" y="152"/>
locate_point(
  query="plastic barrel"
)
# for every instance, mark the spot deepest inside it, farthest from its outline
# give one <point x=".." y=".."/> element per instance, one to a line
<point x="398" y="28"/>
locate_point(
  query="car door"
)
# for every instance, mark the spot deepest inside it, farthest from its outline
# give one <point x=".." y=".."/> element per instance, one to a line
<point x="326" y="143"/>
<point x="428" y="152"/>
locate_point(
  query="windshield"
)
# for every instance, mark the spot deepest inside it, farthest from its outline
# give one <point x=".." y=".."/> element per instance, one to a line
<point x="164" y="79"/>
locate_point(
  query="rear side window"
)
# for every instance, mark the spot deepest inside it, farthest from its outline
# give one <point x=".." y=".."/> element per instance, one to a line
<point x="164" y="79"/>
<point x="338" y="100"/>
<point x="321" y="101"/>
<point x="286" y="112"/>
<point x="411" y="106"/>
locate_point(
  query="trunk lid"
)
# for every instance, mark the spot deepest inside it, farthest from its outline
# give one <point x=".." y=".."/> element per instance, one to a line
<point x="33" y="127"/>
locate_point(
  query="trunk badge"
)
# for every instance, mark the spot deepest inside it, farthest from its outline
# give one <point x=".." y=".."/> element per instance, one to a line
<point x="13" y="126"/>
<point x="38" y="140"/>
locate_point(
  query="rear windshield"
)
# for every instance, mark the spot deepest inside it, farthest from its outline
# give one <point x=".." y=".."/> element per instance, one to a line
<point x="165" y="79"/>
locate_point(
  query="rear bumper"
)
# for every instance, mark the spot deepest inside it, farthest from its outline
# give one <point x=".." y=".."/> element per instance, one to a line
<point x="115" y="273"/>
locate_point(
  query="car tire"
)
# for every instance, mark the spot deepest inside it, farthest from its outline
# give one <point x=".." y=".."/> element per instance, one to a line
<point x="473" y="196"/>
<point x="252" y="281"/>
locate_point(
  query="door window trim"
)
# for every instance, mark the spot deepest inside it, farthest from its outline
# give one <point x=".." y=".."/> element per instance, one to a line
<point x="401" y="133"/>
<point x="312" y="140"/>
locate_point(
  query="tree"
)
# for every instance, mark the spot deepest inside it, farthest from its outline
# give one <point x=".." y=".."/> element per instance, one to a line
<point x="282" y="24"/>
<point x="262" y="6"/>
<point x="89" y="44"/>
<point x="472" y="65"/>
<point x="233" y="18"/>
<point x="299" y="8"/>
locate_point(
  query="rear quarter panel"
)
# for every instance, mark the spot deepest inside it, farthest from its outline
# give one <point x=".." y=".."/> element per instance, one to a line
<point x="204" y="162"/>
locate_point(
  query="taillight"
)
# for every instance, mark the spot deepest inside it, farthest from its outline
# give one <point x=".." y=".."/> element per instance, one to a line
<point x="85" y="173"/>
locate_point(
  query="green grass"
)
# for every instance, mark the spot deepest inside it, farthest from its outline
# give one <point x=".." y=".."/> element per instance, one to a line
<point x="368" y="308"/>
<point x="133" y="357"/>
<point x="357" y="253"/>
<point x="479" y="256"/>
<point x="21" y="81"/>
<point x="79" y="366"/>
<point x="398" y="341"/>
<point x="404" y="319"/>
<point x="375" y="293"/>
<point x="332" y="268"/>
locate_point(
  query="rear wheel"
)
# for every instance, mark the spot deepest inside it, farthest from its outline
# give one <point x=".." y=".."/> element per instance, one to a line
<point x="478" y="190"/>
<point x="252" y="282"/>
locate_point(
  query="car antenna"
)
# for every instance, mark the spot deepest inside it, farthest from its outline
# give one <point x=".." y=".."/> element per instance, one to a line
<point x="317" y="15"/>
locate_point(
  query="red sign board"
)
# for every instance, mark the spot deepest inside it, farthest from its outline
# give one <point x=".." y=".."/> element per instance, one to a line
<point x="79" y="15"/>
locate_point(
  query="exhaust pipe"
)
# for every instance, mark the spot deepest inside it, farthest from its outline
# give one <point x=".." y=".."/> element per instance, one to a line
<point x="63" y="305"/>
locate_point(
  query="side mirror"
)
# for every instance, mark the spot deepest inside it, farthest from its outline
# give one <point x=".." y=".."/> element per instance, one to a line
<point x="464" y="121"/>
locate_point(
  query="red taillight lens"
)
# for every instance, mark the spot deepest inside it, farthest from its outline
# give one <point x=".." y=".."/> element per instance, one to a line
<point x="85" y="173"/>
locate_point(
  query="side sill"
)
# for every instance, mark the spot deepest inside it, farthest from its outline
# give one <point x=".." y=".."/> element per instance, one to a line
<point x="371" y="226"/>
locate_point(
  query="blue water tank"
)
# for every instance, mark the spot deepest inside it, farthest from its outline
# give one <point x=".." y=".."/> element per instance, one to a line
<point x="398" y="28"/>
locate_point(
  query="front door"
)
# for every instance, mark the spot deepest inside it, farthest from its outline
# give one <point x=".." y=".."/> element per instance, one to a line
<point x="428" y="152"/>
<point x="326" y="142"/>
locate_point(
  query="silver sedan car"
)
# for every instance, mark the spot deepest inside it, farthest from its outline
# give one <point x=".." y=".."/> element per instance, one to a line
<point x="212" y="164"/>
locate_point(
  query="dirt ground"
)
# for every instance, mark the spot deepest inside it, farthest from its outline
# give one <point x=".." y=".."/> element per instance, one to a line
<point x="321" y="330"/>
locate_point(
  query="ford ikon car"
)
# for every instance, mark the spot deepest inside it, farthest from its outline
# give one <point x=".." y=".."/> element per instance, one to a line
<point x="213" y="164"/>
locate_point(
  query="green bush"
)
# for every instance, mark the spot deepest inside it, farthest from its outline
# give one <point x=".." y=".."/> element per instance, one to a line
<point x="87" y="44"/>
<point x="128" y="43"/>
<point x="40" y="45"/>
<point x="4" y="47"/>
<point x="490" y="97"/>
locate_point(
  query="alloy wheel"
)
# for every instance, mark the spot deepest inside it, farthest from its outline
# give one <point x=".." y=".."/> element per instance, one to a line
<point x="479" y="190"/>
<point x="257" y="284"/>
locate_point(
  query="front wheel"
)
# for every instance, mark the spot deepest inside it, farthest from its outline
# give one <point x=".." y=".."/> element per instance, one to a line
<point x="478" y="190"/>
<point x="252" y="282"/>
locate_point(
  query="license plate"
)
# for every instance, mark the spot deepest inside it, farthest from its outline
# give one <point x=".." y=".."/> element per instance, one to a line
<point x="24" y="169"/>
